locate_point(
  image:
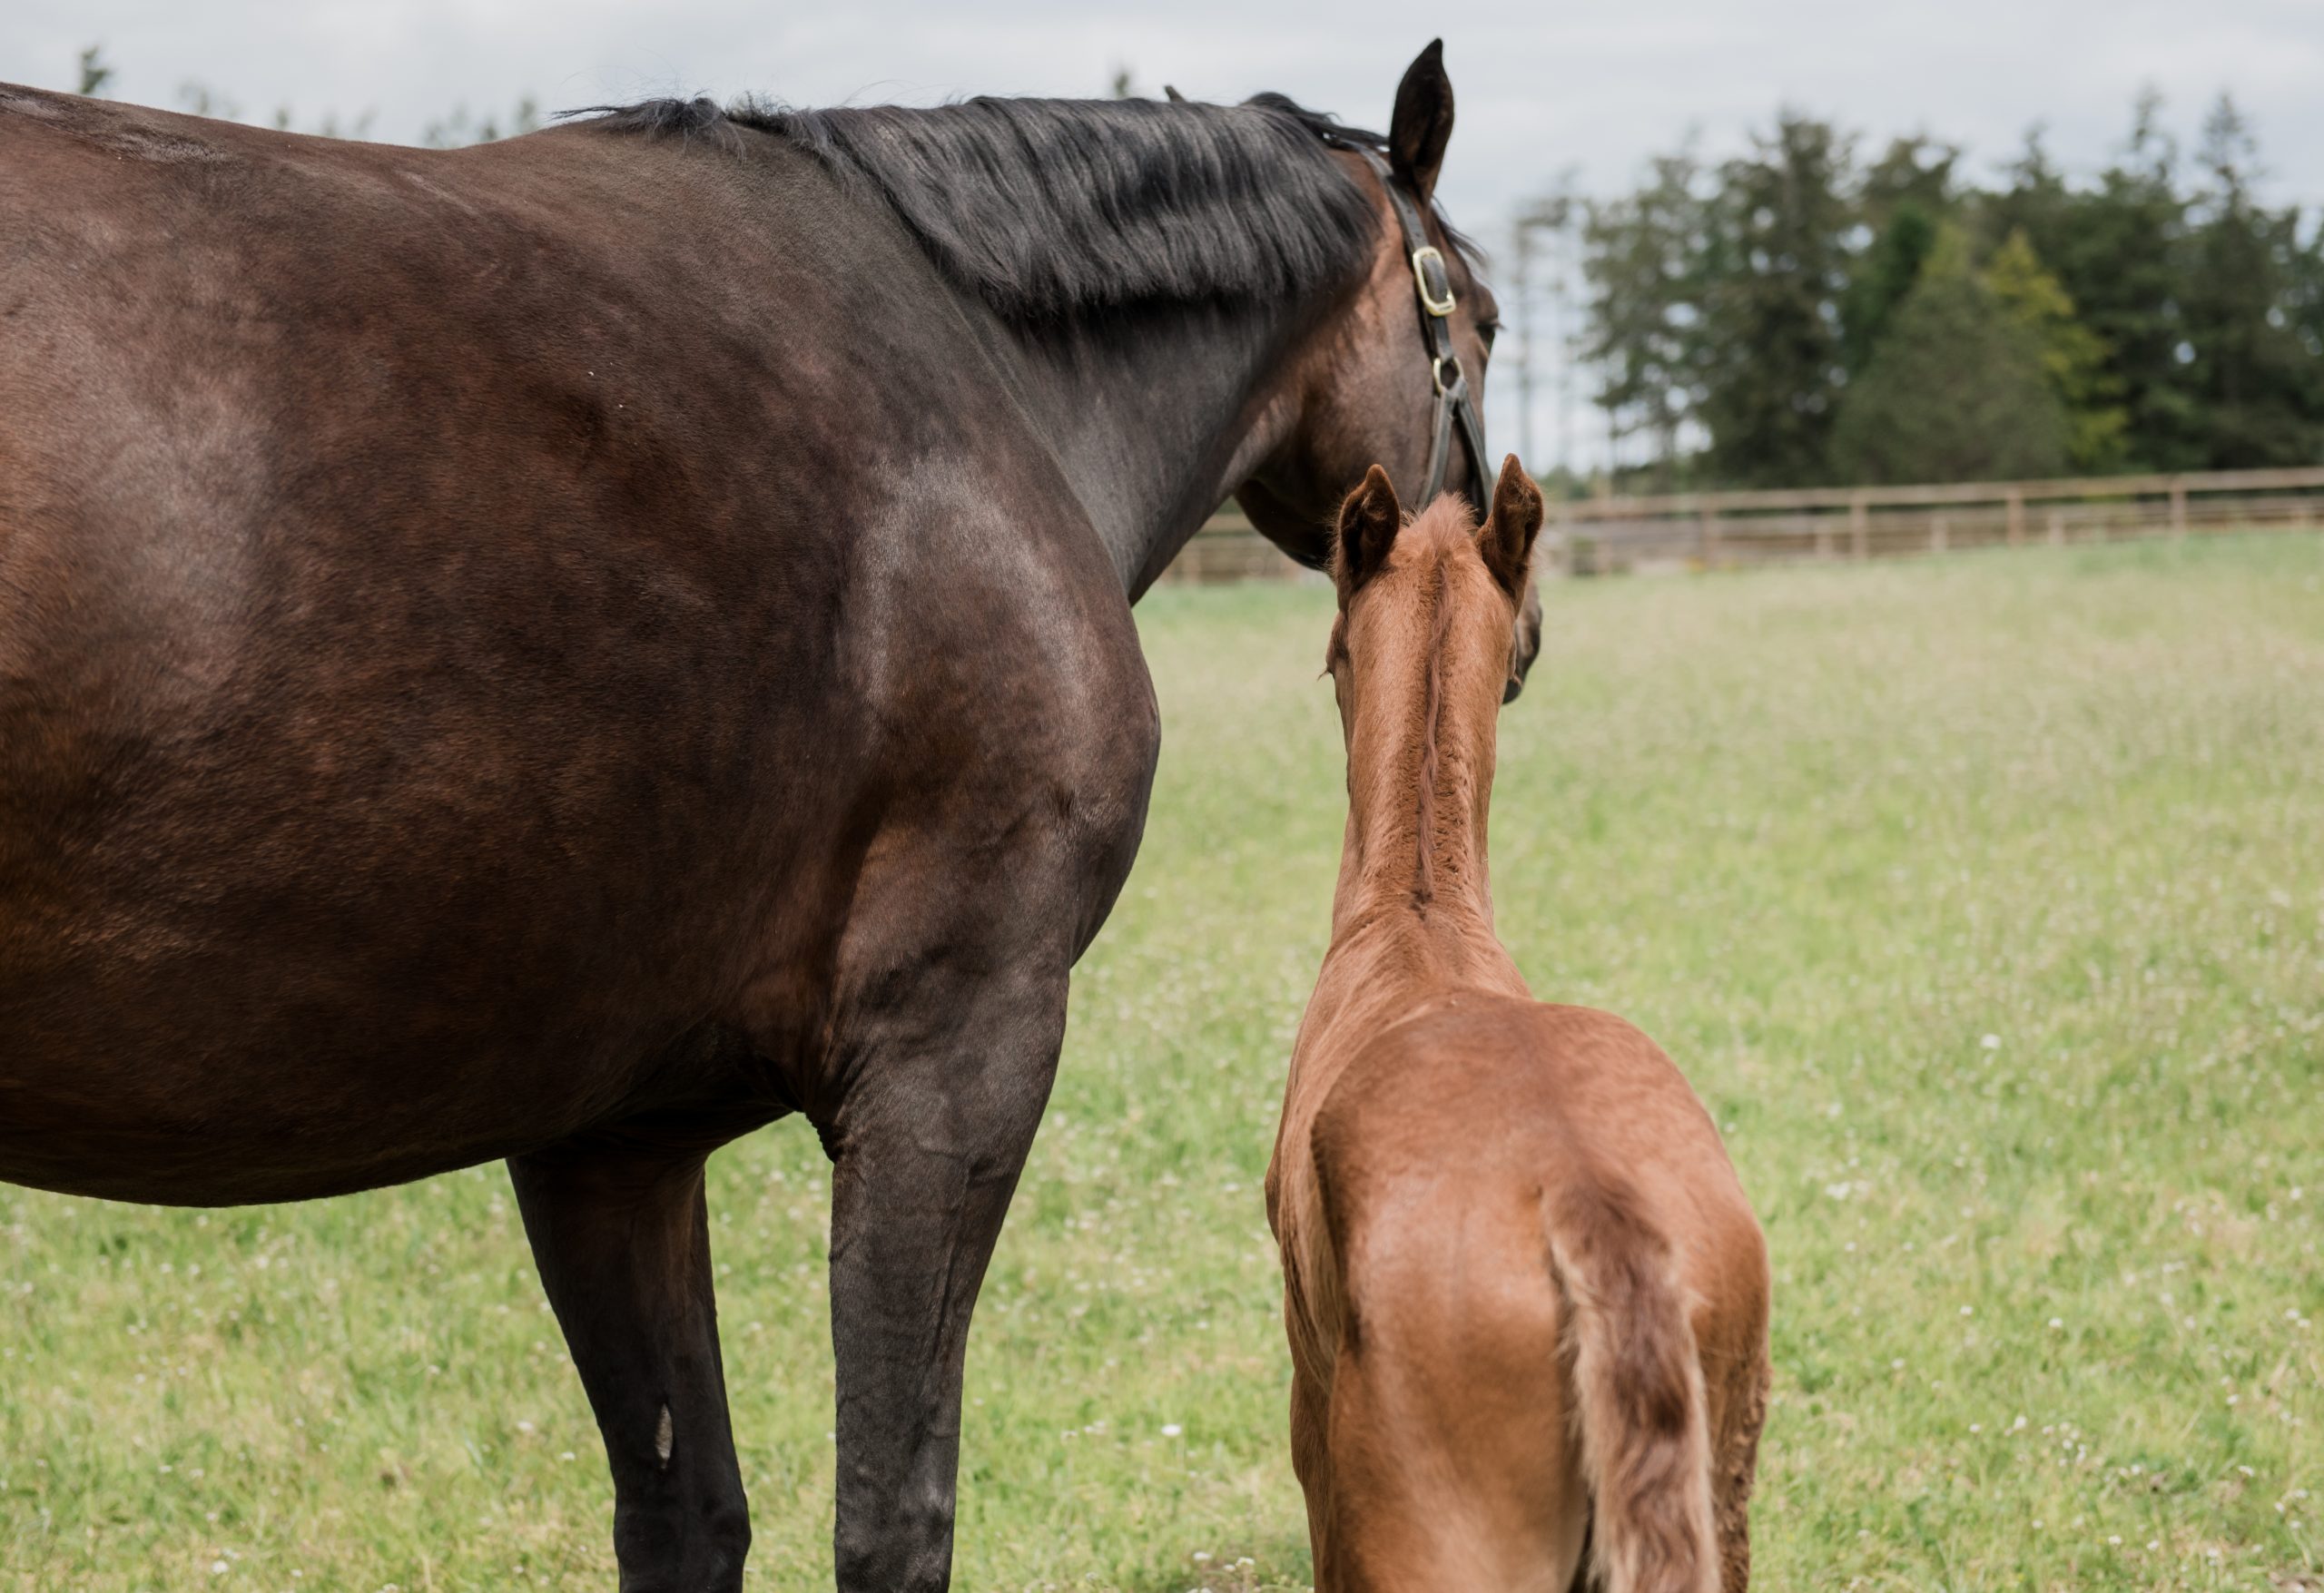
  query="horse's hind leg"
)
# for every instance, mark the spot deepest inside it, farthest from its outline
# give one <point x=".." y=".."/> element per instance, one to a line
<point x="623" y="1240"/>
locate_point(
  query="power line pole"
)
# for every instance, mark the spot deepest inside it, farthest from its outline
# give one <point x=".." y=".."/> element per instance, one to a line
<point x="1544" y="237"/>
<point x="1521" y="281"/>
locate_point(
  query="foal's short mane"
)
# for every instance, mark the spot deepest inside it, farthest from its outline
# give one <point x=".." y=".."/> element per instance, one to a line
<point x="1440" y="633"/>
<point x="1057" y="209"/>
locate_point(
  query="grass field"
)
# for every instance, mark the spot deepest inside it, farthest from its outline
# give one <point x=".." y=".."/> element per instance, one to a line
<point x="1982" y="899"/>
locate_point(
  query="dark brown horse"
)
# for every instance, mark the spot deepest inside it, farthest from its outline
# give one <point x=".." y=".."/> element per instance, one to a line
<point x="1526" y="1297"/>
<point x="574" y="649"/>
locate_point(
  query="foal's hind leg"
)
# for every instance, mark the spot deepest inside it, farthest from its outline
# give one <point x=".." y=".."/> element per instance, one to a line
<point x="623" y="1240"/>
<point x="1735" y="1460"/>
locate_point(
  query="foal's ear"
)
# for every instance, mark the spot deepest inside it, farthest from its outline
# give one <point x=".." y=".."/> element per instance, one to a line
<point x="1368" y="523"/>
<point x="1422" y="123"/>
<point x="1506" y="538"/>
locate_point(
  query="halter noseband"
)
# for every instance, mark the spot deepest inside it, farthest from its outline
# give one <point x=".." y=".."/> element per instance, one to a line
<point x="1454" y="400"/>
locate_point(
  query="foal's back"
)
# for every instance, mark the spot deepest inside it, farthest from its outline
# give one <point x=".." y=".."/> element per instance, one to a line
<point x="1527" y="1299"/>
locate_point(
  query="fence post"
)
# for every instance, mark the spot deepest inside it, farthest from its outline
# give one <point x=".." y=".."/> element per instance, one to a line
<point x="2178" y="508"/>
<point x="1707" y="539"/>
<point x="1936" y="537"/>
<point x="1860" y="527"/>
<point x="2016" y="517"/>
<point x="2057" y="529"/>
<point x="1823" y="539"/>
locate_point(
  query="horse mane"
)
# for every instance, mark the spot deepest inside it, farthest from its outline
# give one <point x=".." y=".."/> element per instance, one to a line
<point x="1440" y="602"/>
<point x="1060" y="208"/>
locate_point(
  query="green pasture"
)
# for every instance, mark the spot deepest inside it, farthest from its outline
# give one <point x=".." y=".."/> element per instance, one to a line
<point x="1981" y="898"/>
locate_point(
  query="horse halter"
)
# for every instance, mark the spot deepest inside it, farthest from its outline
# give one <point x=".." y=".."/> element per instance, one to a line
<point x="1454" y="400"/>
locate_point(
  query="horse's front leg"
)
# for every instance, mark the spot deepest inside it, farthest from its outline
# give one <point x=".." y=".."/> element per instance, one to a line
<point x="622" y="1236"/>
<point x="942" y="1102"/>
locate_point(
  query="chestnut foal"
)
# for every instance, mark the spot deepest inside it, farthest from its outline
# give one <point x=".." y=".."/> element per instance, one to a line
<point x="1526" y="1297"/>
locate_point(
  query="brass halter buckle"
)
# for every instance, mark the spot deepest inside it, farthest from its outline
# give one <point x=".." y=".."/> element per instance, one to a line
<point x="1435" y="284"/>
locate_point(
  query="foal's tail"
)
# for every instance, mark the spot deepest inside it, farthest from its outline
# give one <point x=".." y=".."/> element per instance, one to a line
<point x="1638" y="1396"/>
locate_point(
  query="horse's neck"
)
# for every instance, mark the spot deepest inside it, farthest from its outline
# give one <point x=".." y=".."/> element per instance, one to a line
<point x="1154" y="424"/>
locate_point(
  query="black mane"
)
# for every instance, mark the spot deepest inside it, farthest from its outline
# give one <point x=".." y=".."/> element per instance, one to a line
<point x="1052" y="209"/>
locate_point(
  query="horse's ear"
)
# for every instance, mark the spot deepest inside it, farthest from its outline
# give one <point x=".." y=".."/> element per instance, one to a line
<point x="1421" y="124"/>
<point x="1506" y="538"/>
<point x="1172" y="96"/>
<point x="1368" y="523"/>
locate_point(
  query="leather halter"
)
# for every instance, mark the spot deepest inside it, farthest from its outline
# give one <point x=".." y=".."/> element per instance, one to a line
<point x="1455" y="403"/>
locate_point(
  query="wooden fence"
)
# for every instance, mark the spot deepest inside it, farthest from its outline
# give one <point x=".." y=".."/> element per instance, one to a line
<point x="1728" y="529"/>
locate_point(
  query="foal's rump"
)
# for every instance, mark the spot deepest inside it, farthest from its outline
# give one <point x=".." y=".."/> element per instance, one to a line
<point x="1529" y="1212"/>
<point x="1455" y="1459"/>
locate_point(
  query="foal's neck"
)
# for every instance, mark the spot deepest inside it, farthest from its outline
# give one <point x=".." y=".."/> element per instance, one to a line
<point x="1414" y="887"/>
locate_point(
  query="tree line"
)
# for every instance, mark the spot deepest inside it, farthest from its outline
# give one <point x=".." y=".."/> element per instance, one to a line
<point x="1802" y="316"/>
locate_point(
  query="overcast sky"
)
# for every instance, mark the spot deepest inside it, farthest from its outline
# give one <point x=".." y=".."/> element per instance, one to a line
<point x="1542" y="86"/>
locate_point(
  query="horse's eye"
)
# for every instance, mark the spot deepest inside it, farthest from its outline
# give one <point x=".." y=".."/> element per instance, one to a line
<point x="1488" y="330"/>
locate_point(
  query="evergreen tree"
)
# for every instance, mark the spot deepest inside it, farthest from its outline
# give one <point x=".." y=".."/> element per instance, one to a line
<point x="1641" y="260"/>
<point x="2304" y="294"/>
<point x="1955" y="391"/>
<point x="2259" y="392"/>
<point x="2116" y="249"/>
<point x="2073" y="357"/>
<point x="1882" y="278"/>
<point x="1906" y="195"/>
<point x="1916" y="171"/>
<point x="1774" y="265"/>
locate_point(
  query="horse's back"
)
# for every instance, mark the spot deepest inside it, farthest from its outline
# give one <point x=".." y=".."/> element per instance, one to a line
<point x="459" y="632"/>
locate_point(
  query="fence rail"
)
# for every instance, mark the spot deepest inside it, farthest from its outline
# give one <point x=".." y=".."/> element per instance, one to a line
<point x="1728" y="529"/>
